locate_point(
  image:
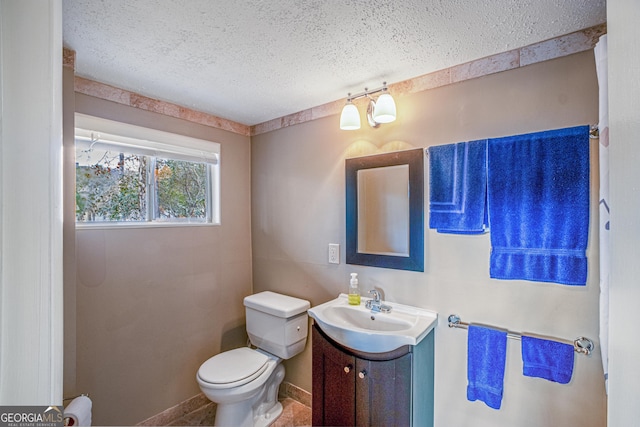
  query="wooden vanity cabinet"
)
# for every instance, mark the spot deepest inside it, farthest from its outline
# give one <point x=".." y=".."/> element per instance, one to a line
<point x="353" y="388"/>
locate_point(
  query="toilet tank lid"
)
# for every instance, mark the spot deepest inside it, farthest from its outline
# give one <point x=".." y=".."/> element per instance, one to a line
<point x="276" y="304"/>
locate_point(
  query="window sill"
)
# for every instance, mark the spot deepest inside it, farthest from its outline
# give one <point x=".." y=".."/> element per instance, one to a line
<point x="128" y="225"/>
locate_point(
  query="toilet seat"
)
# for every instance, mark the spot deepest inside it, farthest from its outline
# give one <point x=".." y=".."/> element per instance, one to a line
<point x="233" y="368"/>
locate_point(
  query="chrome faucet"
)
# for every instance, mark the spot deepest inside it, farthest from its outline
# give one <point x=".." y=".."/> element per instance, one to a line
<point x="375" y="304"/>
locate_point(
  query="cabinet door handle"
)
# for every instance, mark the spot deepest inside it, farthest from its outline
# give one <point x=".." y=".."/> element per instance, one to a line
<point x="347" y="368"/>
<point x="362" y="373"/>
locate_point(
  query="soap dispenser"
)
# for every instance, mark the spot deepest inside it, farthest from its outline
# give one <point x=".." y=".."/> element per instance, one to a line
<point x="354" y="291"/>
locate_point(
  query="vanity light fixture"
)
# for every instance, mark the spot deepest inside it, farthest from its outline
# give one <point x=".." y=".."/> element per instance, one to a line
<point x="381" y="111"/>
<point x="350" y="117"/>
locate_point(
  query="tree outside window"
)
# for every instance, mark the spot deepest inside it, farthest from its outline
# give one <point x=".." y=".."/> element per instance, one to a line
<point x="118" y="185"/>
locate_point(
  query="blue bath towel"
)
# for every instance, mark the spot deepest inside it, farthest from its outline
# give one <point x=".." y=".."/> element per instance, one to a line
<point x="486" y="357"/>
<point x="538" y="198"/>
<point x="458" y="187"/>
<point x="547" y="359"/>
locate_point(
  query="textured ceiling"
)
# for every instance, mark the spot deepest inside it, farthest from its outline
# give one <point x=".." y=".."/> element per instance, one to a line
<point x="254" y="60"/>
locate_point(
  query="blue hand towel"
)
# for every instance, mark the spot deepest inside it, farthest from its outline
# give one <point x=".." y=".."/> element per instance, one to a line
<point x="538" y="198"/>
<point x="458" y="187"/>
<point x="486" y="357"/>
<point x="546" y="359"/>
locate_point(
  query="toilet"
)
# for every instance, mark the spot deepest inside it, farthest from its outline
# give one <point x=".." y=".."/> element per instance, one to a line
<point x="244" y="382"/>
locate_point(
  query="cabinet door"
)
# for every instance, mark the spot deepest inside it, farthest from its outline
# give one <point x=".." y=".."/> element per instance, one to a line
<point x="333" y="384"/>
<point x="383" y="392"/>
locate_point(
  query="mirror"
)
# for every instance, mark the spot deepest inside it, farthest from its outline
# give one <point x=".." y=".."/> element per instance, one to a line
<point x="385" y="210"/>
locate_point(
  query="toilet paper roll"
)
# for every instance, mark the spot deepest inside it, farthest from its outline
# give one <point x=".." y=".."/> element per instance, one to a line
<point x="78" y="412"/>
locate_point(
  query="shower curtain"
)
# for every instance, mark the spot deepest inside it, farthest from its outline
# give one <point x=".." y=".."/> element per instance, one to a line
<point x="600" y="52"/>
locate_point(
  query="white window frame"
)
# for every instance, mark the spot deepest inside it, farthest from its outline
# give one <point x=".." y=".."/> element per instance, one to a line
<point x="108" y="134"/>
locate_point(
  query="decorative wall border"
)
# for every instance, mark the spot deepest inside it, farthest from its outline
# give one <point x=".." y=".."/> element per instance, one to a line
<point x="558" y="47"/>
<point x="135" y="100"/>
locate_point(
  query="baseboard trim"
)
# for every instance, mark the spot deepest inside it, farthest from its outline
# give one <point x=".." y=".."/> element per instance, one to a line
<point x="296" y="393"/>
<point x="198" y="410"/>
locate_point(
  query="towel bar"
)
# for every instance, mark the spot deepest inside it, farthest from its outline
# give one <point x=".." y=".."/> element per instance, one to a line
<point x="581" y="345"/>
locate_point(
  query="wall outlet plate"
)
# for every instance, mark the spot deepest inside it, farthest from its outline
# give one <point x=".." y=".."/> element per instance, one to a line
<point x="334" y="253"/>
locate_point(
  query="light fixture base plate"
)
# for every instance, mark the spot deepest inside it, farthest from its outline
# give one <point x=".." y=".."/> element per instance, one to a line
<point x="370" y="109"/>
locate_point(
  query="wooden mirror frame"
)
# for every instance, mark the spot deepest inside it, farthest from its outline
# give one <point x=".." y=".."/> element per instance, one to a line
<point x="415" y="159"/>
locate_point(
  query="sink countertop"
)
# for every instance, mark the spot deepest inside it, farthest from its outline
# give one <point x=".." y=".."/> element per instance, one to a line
<point x="359" y="328"/>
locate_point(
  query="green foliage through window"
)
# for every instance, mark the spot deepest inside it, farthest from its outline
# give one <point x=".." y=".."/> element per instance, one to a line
<point x="114" y="186"/>
<point x="181" y="189"/>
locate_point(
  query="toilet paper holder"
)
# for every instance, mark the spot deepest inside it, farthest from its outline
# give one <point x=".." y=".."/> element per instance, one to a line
<point x="71" y="398"/>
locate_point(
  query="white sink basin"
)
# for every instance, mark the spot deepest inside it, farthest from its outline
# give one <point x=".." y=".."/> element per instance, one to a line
<point x="359" y="328"/>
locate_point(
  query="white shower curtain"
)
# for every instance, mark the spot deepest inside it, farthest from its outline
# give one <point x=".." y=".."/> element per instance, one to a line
<point x="600" y="52"/>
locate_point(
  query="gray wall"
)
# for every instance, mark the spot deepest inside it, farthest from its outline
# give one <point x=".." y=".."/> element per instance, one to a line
<point x="298" y="208"/>
<point x="152" y="304"/>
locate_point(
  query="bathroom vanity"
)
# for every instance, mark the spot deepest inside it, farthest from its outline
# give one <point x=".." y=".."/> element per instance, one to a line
<point x="372" y="369"/>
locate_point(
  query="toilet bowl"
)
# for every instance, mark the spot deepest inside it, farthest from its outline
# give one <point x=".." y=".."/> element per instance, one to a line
<point x="244" y="382"/>
<point x="239" y="379"/>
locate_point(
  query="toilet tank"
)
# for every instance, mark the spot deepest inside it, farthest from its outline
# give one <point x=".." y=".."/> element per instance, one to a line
<point x="277" y="323"/>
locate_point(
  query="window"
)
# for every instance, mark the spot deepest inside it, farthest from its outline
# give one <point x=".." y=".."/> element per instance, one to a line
<point x="126" y="174"/>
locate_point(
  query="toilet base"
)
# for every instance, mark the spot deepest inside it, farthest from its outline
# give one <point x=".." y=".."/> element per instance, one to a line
<point x="269" y="417"/>
<point x="259" y="411"/>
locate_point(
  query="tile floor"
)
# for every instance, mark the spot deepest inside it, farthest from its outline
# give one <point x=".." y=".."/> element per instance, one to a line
<point x="294" y="414"/>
